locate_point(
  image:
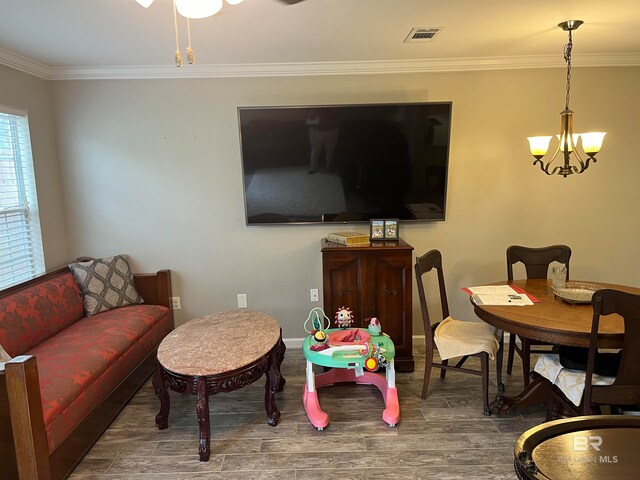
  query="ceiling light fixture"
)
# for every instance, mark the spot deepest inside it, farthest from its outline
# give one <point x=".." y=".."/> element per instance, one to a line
<point x="198" y="8"/>
<point x="190" y="9"/>
<point x="567" y="140"/>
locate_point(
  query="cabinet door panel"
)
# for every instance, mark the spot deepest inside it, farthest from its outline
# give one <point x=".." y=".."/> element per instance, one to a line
<point x="388" y="297"/>
<point x="343" y="285"/>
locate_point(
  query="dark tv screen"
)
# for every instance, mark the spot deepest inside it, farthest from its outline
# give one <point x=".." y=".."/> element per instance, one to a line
<point x="345" y="163"/>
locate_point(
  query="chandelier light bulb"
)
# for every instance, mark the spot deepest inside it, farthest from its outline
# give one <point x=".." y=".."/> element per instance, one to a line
<point x="539" y="146"/>
<point x="234" y="2"/>
<point x="572" y="143"/>
<point x="198" y="8"/>
<point x="592" y="142"/>
<point x="145" y="3"/>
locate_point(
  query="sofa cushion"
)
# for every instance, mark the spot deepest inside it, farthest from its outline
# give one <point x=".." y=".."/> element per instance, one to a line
<point x="32" y="315"/>
<point x="105" y="283"/>
<point x="82" y="364"/>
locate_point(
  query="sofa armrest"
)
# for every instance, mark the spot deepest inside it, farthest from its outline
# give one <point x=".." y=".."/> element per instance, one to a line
<point x="27" y="421"/>
<point x="7" y="449"/>
<point x="155" y="288"/>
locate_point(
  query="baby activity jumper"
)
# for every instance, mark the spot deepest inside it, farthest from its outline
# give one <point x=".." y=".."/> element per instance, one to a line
<point x="354" y="355"/>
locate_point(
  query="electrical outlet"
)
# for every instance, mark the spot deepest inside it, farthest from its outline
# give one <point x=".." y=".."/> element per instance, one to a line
<point x="242" y="300"/>
<point x="175" y="303"/>
<point x="314" y="294"/>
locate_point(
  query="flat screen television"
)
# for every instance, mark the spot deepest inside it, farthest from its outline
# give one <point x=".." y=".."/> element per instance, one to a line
<point x="345" y="163"/>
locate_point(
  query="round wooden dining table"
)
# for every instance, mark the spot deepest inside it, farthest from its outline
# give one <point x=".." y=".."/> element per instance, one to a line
<point x="551" y="320"/>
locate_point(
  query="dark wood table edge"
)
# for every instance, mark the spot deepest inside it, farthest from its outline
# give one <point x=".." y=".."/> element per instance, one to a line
<point x="525" y="444"/>
<point x="572" y="339"/>
<point x="205" y="385"/>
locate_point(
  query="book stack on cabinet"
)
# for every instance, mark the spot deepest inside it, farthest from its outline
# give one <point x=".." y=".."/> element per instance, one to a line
<point x="348" y="238"/>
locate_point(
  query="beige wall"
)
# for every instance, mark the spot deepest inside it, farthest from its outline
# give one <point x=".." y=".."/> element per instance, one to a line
<point x="152" y="169"/>
<point x="26" y="92"/>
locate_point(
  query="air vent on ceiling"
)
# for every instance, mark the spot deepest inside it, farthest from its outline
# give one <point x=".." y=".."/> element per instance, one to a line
<point x="421" y="34"/>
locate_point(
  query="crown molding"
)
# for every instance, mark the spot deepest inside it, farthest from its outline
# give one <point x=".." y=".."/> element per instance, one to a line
<point x="310" y="68"/>
<point x="24" y="64"/>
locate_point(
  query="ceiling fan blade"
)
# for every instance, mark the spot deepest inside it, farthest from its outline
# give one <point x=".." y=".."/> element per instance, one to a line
<point x="291" y="2"/>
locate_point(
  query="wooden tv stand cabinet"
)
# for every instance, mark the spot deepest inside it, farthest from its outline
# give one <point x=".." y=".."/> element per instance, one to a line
<point x="373" y="281"/>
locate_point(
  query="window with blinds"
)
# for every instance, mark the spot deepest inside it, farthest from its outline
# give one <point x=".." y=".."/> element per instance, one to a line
<point x="21" y="256"/>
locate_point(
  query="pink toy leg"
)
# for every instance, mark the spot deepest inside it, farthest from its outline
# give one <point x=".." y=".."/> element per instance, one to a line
<point x="317" y="416"/>
<point x="391" y="413"/>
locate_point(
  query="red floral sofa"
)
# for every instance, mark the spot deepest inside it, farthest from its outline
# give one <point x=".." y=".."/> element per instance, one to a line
<point x="70" y="375"/>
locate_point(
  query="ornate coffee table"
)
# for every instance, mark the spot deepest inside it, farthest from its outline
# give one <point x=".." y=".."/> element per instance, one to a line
<point x="219" y="353"/>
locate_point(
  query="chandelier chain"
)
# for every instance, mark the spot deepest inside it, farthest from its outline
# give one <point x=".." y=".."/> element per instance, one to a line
<point x="188" y="33"/>
<point x="175" y="24"/>
<point x="567" y="57"/>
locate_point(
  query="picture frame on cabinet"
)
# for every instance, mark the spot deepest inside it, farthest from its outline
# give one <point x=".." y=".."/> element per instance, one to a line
<point x="391" y="229"/>
<point x="376" y="229"/>
<point x="384" y="229"/>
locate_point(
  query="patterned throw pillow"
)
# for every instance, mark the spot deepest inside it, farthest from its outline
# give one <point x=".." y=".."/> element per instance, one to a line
<point x="4" y="356"/>
<point x="105" y="283"/>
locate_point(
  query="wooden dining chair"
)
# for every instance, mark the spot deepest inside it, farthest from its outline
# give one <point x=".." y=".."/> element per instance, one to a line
<point x="536" y="263"/>
<point x="468" y="339"/>
<point x="625" y="389"/>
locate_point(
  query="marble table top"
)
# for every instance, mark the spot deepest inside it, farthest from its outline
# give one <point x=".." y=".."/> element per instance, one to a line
<point x="218" y="343"/>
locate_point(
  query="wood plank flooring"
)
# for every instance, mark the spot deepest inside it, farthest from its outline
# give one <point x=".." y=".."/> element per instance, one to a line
<point x="445" y="436"/>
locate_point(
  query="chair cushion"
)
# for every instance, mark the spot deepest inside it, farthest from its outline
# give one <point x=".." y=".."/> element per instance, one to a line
<point x="456" y="338"/>
<point x="105" y="283"/>
<point x="570" y="382"/>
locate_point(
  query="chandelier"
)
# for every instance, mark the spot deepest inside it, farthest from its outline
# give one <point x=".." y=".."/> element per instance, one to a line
<point x="567" y="140"/>
<point x="190" y="9"/>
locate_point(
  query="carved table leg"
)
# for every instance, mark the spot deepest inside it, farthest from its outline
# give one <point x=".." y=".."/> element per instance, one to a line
<point x="274" y="380"/>
<point x="202" y="411"/>
<point x="537" y="392"/>
<point x="282" y="348"/>
<point x="160" y="387"/>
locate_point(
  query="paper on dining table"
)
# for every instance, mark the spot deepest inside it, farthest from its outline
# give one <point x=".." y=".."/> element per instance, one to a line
<point x="500" y="290"/>
<point x="511" y="299"/>
<point x="492" y="290"/>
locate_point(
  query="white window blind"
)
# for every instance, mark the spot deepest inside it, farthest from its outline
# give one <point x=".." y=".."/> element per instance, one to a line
<point x="21" y="256"/>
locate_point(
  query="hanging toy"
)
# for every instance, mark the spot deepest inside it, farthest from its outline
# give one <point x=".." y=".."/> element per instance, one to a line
<point x="315" y="323"/>
<point x="374" y="326"/>
<point x="371" y="364"/>
<point x="382" y="360"/>
<point x="320" y="336"/>
<point x="344" y="317"/>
